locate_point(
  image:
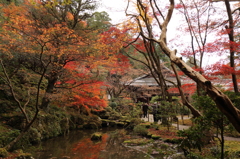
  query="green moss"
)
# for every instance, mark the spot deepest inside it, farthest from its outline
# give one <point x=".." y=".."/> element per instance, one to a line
<point x="173" y="141"/>
<point x="24" y="156"/>
<point x="112" y="123"/>
<point x="90" y="125"/>
<point x="147" y="124"/>
<point x="96" y="136"/>
<point x="34" y="136"/>
<point x="7" y="137"/>
<point x="3" y="128"/>
<point x="155" y="137"/>
<point x="3" y="152"/>
<point x="134" y="142"/>
<point x="232" y="145"/>
<point x="140" y="130"/>
<point x="149" y="134"/>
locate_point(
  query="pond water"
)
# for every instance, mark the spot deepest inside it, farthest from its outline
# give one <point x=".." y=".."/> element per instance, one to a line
<point x="78" y="145"/>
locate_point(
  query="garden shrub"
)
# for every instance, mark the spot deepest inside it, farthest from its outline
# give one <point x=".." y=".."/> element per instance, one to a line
<point x="193" y="155"/>
<point x="133" y="123"/>
<point x="140" y="129"/>
<point x="113" y="105"/>
<point x="7" y="137"/>
<point x="192" y="139"/>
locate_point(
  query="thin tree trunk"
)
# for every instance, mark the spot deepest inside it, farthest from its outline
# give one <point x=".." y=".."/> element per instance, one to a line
<point x="222" y="138"/>
<point x="231" y="43"/>
<point x="194" y="111"/>
<point x="27" y="127"/>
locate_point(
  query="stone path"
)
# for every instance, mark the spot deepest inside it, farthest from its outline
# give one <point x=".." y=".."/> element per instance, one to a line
<point x="184" y="127"/>
<point x="149" y="118"/>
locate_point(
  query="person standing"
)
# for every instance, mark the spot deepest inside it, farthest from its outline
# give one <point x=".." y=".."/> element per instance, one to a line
<point x="145" y="110"/>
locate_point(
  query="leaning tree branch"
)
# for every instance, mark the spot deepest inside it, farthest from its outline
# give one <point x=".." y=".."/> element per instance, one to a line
<point x="222" y="101"/>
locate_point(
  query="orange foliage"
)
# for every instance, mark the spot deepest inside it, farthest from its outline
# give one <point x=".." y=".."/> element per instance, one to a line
<point x="87" y="145"/>
<point x="109" y="44"/>
<point x="59" y="48"/>
<point x="27" y="35"/>
<point x="86" y="91"/>
<point x="88" y="96"/>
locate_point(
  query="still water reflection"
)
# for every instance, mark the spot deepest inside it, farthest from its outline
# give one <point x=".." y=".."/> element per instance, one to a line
<point x="78" y="145"/>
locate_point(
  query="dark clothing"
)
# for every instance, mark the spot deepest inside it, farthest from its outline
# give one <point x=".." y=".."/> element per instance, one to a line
<point x="145" y="110"/>
<point x="155" y="109"/>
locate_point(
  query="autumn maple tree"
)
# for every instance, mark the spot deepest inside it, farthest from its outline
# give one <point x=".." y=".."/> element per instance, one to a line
<point x="84" y="91"/>
<point x="56" y="43"/>
<point x="54" y="38"/>
<point x="48" y="45"/>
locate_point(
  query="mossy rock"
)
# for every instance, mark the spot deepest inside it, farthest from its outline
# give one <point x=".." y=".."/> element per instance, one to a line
<point x="155" y="137"/>
<point x="3" y="152"/>
<point x="34" y="136"/>
<point x="96" y="136"/>
<point x="46" y="126"/>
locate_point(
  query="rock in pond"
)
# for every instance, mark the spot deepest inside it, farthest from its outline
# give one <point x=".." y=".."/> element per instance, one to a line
<point x="96" y="136"/>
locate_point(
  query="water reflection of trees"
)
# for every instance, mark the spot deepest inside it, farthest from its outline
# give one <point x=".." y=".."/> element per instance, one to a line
<point x="115" y="149"/>
<point x="78" y="144"/>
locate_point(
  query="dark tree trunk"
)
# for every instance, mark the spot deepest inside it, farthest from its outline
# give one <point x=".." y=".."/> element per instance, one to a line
<point x="231" y="43"/>
<point x="47" y="96"/>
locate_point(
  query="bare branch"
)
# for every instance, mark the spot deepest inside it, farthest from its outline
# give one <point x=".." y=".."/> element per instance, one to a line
<point x="9" y="83"/>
